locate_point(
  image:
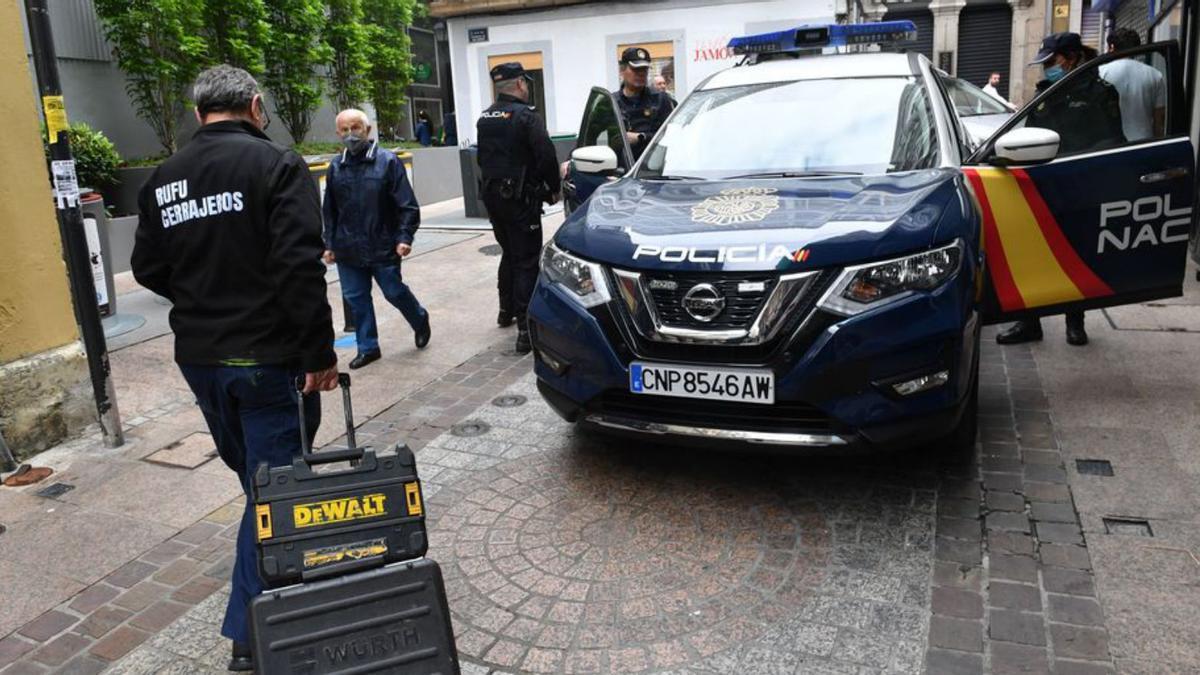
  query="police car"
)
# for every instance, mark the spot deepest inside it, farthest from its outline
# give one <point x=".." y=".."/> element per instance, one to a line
<point x="805" y="253"/>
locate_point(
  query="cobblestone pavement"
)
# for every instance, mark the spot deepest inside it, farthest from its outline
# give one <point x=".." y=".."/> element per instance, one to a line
<point x="569" y="553"/>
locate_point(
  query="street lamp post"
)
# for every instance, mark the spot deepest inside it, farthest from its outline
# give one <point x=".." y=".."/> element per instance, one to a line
<point x="70" y="222"/>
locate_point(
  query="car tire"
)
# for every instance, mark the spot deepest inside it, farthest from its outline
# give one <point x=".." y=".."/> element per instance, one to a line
<point x="960" y="442"/>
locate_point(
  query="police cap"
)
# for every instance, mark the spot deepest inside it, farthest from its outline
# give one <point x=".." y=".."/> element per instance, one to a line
<point x="1058" y="43"/>
<point x="509" y="71"/>
<point x="635" y="57"/>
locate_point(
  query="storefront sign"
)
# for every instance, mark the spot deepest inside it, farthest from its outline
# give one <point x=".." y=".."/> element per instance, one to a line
<point x="477" y="35"/>
<point x="712" y="50"/>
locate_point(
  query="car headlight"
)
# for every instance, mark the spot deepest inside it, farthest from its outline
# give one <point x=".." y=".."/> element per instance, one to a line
<point x="583" y="280"/>
<point x="864" y="287"/>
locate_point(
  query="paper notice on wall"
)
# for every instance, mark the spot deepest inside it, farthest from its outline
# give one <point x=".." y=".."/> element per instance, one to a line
<point x="66" y="185"/>
<point x="96" y="256"/>
<point x="56" y="116"/>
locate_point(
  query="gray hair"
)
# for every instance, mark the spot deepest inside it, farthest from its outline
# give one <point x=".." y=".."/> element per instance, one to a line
<point x="507" y="86"/>
<point x="224" y="88"/>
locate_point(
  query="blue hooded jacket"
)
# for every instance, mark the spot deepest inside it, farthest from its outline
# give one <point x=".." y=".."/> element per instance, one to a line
<point x="369" y="207"/>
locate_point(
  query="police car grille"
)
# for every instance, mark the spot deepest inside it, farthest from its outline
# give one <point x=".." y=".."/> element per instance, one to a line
<point x="782" y="416"/>
<point x="741" y="306"/>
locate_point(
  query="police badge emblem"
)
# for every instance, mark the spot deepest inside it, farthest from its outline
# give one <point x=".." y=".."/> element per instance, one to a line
<point x="736" y="206"/>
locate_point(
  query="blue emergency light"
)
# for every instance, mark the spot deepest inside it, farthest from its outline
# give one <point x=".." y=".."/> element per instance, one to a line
<point x="829" y="35"/>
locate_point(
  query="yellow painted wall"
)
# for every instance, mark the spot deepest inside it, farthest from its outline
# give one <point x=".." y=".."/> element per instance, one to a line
<point x="35" y="304"/>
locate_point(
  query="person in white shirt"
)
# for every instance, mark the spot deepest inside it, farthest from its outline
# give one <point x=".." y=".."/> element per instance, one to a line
<point x="990" y="88"/>
<point x="1143" y="89"/>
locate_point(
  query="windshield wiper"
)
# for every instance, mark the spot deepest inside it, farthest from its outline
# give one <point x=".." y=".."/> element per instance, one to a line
<point x="671" y="177"/>
<point x="794" y="174"/>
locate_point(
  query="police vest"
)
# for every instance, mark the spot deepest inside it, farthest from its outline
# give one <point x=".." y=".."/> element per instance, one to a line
<point x="503" y="133"/>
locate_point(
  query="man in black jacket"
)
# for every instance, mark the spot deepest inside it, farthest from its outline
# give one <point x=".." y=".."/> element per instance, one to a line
<point x="520" y="171"/>
<point x="1087" y="117"/>
<point x="371" y="217"/>
<point x="229" y="230"/>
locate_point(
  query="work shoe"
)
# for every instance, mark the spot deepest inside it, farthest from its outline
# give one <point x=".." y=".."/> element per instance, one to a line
<point x="504" y="319"/>
<point x="1021" y="331"/>
<point x="523" y="346"/>
<point x="1076" y="334"/>
<point x="242" y="660"/>
<point x="365" y="358"/>
<point x="421" y="337"/>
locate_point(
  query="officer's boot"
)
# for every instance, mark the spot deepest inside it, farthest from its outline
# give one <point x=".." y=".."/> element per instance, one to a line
<point x="1076" y="335"/>
<point x="1027" y="330"/>
<point x="504" y="319"/>
<point x="524" y="345"/>
<point x="242" y="661"/>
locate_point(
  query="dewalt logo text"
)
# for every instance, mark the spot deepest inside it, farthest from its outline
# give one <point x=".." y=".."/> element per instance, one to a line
<point x="339" y="510"/>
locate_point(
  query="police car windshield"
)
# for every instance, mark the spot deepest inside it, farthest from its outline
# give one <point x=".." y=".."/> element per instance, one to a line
<point x="796" y="129"/>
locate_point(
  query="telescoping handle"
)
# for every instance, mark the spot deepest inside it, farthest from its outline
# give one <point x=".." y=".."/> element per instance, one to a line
<point x="353" y="453"/>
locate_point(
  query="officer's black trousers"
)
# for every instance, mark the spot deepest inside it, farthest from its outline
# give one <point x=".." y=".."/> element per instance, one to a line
<point x="518" y="229"/>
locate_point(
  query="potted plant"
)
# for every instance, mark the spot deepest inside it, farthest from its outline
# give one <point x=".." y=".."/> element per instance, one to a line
<point x="96" y="158"/>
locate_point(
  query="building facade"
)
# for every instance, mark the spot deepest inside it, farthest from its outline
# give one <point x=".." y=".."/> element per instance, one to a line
<point x="570" y="47"/>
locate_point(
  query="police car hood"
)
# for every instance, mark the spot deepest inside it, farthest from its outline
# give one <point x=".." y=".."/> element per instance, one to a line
<point x="761" y="224"/>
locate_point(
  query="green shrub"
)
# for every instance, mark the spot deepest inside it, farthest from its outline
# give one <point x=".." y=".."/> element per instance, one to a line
<point x="96" y="158"/>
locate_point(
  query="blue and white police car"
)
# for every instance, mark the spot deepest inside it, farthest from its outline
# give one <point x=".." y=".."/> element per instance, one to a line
<point x="805" y="253"/>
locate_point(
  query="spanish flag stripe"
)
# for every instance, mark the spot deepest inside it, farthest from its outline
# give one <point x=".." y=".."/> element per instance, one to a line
<point x="1002" y="281"/>
<point x="1083" y="277"/>
<point x="1039" y="277"/>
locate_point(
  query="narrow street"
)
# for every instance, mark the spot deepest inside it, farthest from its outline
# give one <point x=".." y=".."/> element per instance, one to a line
<point x="571" y="553"/>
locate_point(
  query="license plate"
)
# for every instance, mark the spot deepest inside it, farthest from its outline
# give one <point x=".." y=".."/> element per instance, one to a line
<point x="719" y="384"/>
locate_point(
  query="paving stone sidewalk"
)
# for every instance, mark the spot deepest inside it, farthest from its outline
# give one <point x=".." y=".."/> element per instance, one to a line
<point x="568" y="553"/>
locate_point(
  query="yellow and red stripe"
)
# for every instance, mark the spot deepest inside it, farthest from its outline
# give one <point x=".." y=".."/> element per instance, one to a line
<point x="1031" y="261"/>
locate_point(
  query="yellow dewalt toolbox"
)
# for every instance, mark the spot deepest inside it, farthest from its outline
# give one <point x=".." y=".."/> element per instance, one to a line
<point x="314" y="524"/>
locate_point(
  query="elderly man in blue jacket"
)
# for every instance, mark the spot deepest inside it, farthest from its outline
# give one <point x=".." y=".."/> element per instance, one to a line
<point x="371" y="216"/>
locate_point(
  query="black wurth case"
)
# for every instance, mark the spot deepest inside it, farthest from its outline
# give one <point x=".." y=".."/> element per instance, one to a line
<point x="318" y="524"/>
<point x="393" y="619"/>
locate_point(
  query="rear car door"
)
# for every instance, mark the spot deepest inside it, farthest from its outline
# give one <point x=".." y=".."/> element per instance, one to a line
<point x="1106" y="221"/>
<point x="601" y="125"/>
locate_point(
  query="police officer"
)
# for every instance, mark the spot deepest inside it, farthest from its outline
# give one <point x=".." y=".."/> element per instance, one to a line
<point x="644" y="110"/>
<point x="229" y="230"/>
<point x="520" y="171"/>
<point x="1086" y="116"/>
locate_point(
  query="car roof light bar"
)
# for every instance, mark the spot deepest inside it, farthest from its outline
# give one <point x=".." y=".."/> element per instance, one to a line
<point x="810" y="37"/>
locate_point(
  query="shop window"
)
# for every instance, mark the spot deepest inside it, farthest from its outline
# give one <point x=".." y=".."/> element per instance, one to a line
<point x="532" y="63"/>
<point x="662" y="61"/>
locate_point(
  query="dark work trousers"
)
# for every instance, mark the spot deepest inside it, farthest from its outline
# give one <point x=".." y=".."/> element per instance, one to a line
<point x="518" y="229"/>
<point x="251" y="412"/>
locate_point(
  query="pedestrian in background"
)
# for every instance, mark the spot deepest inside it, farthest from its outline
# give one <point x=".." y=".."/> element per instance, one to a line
<point x="371" y="217"/>
<point x="991" y="90"/>
<point x="424" y="129"/>
<point x="229" y="230"/>
<point x="1142" y="87"/>
<point x="1086" y="116"/>
<point x="643" y="109"/>
<point x="520" y="171"/>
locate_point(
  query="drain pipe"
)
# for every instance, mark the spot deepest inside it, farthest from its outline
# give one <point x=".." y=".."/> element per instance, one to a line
<point x="7" y="461"/>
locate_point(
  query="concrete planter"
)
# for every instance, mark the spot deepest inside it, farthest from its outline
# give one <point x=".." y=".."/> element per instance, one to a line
<point x="122" y="198"/>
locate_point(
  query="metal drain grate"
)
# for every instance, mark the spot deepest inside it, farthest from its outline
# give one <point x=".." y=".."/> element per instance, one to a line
<point x="470" y="428"/>
<point x="491" y="249"/>
<point x="55" y="491"/>
<point x="509" y="401"/>
<point x="1094" y="467"/>
<point x="1135" y="527"/>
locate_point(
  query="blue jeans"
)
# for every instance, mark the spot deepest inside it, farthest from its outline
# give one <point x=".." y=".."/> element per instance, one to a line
<point x="356" y="289"/>
<point x="251" y="412"/>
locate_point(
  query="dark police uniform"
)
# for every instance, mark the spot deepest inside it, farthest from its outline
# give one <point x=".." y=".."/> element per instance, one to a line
<point x="519" y="169"/>
<point x="229" y="230"/>
<point x="1087" y="116"/>
<point x="646" y="112"/>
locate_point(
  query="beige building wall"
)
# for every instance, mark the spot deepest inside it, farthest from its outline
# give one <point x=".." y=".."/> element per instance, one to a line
<point x="43" y="375"/>
<point x="1029" y="27"/>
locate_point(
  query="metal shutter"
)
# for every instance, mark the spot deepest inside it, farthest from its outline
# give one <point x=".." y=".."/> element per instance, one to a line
<point x="1134" y="14"/>
<point x="923" y="19"/>
<point x="1090" y="28"/>
<point x="985" y="44"/>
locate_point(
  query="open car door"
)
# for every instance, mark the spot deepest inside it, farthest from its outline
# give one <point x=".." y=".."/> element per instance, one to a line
<point x="1086" y="193"/>
<point x="601" y="150"/>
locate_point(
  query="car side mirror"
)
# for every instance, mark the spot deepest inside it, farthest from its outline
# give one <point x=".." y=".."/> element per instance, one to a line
<point x="595" y="159"/>
<point x="1027" y="145"/>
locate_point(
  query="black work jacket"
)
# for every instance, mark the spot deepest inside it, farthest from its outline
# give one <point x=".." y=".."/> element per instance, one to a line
<point x="514" y="144"/>
<point x="1087" y="115"/>
<point x="369" y="207"/>
<point x="229" y="230"/>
